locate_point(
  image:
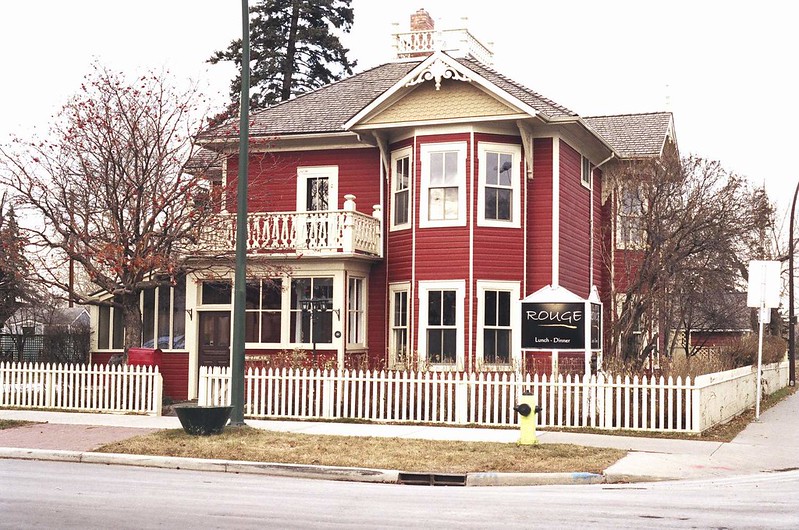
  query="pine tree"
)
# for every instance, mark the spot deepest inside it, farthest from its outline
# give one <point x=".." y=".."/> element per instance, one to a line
<point x="14" y="289"/>
<point x="292" y="49"/>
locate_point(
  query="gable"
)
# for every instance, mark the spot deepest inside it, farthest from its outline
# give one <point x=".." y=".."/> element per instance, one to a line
<point x="455" y="99"/>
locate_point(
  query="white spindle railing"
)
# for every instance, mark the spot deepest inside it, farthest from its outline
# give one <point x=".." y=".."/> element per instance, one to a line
<point x="281" y="232"/>
<point x="81" y="387"/>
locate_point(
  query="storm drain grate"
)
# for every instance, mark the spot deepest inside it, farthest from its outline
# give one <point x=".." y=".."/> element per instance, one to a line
<point x="431" y="479"/>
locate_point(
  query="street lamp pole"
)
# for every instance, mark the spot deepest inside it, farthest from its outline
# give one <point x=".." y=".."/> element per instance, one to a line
<point x="791" y="315"/>
<point x="240" y="279"/>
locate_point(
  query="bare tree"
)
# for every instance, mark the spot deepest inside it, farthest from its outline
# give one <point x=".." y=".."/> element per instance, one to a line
<point x="112" y="189"/>
<point x="684" y="232"/>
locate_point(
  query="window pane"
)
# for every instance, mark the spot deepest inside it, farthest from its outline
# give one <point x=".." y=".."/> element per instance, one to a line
<point x="119" y="331"/>
<point x="270" y="327"/>
<point x="451" y="167"/>
<point x="216" y="292"/>
<point x="179" y="314"/>
<point x="434" y="343"/>
<point x="451" y="203"/>
<point x="434" y="308"/>
<point x="503" y="204"/>
<point x="251" y="326"/>
<point x="491" y="203"/>
<point x="148" y="319"/>
<point x="103" y="327"/>
<point x="300" y="290"/>
<point x="490" y="308"/>
<point x="401" y="208"/>
<point x="489" y="346"/>
<point x="253" y="295"/>
<point x="301" y="326"/>
<point x="504" y="308"/>
<point x="448" y="309"/>
<point x="400" y="343"/>
<point x="449" y="347"/>
<point x="401" y="308"/>
<point x="323" y="288"/>
<point x="436" y="169"/>
<point x="164" y="312"/>
<point x="271" y="294"/>
<point x="435" y="204"/>
<point x="505" y="169"/>
<point x="492" y="168"/>
<point x="503" y="346"/>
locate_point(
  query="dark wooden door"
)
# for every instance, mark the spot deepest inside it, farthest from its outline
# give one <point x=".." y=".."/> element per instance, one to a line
<point x="214" y="338"/>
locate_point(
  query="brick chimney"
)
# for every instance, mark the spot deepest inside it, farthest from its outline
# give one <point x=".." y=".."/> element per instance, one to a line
<point x="422" y="21"/>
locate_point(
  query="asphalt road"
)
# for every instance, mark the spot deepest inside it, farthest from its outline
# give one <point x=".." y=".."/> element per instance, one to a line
<point x="71" y="495"/>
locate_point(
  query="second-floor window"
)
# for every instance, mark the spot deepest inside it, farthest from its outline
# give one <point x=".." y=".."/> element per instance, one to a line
<point x="443" y="196"/>
<point x="585" y="172"/>
<point x="499" y="196"/>
<point x="630" y="230"/>
<point x="401" y="189"/>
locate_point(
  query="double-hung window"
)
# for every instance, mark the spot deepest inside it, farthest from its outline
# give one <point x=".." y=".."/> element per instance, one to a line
<point x="398" y="318"/>
<point x="401" y="189"/>
<point x="499" y="197"/>
<point x="356" y="312"/>
<point x="497" y="310"/>
<point x="262" y="311"/>
<point x="585" y="172"/>
<point x="442" y="201"/>
<point x="630" y="233"/>
<point x="311" y="310"/>
<point x="441" y="323"/>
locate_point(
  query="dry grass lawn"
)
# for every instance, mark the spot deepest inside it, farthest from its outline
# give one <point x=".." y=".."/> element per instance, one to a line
<point x="10" y="424"/>
<point x="246" y="443"/>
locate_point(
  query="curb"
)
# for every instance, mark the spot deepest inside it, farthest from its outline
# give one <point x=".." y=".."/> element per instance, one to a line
<point x="382" y="476"/>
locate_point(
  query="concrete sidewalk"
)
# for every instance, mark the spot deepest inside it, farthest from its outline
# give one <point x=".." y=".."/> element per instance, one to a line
<point x="772" y="444"/>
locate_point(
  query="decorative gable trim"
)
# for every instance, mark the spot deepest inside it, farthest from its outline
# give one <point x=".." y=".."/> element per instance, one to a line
<point x="437" y="71"/>
<point x="437" y="67"/>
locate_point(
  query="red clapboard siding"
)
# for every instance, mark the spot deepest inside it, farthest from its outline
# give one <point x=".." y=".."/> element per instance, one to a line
<point x="575" y="227"/>
<point x="175" y="370"/>
<point x="539" y="217"/>
<point x="377" y="314"/>
<point x="100" y="357"/>
<point x="598" y="265"/>
<point x="272" y="179"/>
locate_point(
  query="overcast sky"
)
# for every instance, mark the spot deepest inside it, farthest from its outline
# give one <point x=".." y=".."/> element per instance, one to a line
<point x="727" y="69"/>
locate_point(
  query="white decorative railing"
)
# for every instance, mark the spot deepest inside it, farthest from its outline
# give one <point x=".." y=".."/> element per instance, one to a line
<point x="332" y="231"/>
<point x="487" y="398"/>
<point x="81" y="387"/>
<point x="458" y="42"/>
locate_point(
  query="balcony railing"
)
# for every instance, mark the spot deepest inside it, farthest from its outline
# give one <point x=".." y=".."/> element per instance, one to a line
<point x="458" y="42"/>
<point x="319" y="232"/>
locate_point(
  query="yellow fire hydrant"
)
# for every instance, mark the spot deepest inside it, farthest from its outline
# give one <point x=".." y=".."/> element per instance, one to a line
<point x="528" y="412"/>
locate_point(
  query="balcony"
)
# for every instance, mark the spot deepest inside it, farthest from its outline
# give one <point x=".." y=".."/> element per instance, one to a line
<point x="457" y="42"/>
<point x="318" y="233"/>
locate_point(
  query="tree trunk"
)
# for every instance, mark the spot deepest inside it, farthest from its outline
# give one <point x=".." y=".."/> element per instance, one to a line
<point x="291" y="51"/>
<point x="131" y="318"/>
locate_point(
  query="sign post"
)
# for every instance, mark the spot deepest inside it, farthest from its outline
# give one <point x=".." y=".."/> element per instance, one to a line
<point x="764" y="293"/>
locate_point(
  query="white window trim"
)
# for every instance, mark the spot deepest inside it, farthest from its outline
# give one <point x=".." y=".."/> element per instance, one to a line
<point x="516" y="152"/>
<point x="304" y="173"/>
<point x="459" y="286"/>
<point x="393" y="289"/>
<point x="364" y="311"/>
<point x="586" y="182"/>
<point x="425" y="150"/>
<point x="285" y="298"/>
<point x="288" y="314"/>
<point x="396" y="155"/>
<point x="515" y="319"/>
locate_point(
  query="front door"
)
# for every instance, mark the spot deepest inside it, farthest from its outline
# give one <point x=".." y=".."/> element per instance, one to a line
<point x="214" y="338"/>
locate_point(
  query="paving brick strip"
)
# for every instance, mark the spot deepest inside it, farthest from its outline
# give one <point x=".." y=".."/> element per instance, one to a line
<point x="66" y="437"/>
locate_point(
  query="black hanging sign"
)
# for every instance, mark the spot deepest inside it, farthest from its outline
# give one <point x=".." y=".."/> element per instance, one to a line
<point x="553" y="326"/>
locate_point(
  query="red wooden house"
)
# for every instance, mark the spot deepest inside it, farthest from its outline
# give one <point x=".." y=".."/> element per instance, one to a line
<point x="396" y="218"/>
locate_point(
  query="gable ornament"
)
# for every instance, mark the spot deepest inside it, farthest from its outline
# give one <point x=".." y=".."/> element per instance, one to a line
<point x="437" y="71"/>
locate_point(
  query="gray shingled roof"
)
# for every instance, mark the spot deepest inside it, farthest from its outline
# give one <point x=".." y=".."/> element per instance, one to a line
<point x="328" y="108"/>
<point x="633" y="135"/>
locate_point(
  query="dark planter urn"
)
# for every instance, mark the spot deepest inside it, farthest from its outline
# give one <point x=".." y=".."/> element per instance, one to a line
<point x="203" y="420"/>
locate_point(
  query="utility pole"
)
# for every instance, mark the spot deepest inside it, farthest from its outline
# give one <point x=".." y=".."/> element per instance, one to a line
<point x="240" y="279"/>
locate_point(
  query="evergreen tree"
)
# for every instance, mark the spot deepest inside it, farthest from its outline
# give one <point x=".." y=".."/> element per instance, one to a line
<point x="14" y="289"/>
<point x="292" y="49"/>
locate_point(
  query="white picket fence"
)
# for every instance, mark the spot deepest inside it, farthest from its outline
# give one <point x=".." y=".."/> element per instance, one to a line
<point x="81" y="387"/>
<point x="458" y="398"/>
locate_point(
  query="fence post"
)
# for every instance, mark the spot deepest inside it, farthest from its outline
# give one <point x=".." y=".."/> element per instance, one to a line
<point x="696" y="408"/>
<point x="461" y="401"/>
<point x="158" y="391"/>
<point x="327" y="395"/>
<point x="202" y="393"/>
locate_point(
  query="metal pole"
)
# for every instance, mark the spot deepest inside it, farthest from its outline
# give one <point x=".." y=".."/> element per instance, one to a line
<point x="791" y="304"/>
<point x="240" y="280"/>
